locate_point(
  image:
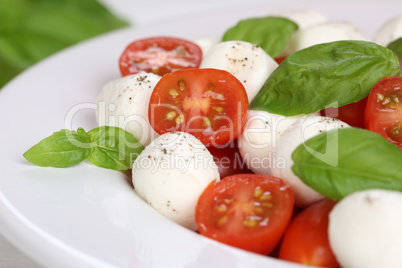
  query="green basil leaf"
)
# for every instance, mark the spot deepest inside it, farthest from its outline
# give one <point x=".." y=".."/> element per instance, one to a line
<point x="325" y="75"/>
<point x="343" y="161"/>
<point x="31" y="30"/>
<point x="396" y="46"/>
<point x="62" y="149"/>
<point x="272" y="34"/>
<point x="113" y="148"/>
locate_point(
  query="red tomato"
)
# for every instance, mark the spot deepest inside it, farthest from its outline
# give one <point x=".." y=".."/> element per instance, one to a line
<point x="384" y="109"/>
<point x="306" y="239"/>
<point x="280" y="59"/>
<point x="352" y="113"/>
<point x="228" y="159"/>
<point x="211" y="104"/>
<point x="159" y="55"/>
<point x="248" y="211"/>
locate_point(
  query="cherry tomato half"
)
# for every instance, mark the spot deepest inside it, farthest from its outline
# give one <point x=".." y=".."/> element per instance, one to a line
<point x="384" y="109"/>
<point x="280" y="59"/>
<point x="306" y="239"/>
<point x="159" y="55"/>
<point x="229" y="160"/>
<point x="352" y="113"/>
<point x="211" y="104"/>
<point x="248" y="211"/>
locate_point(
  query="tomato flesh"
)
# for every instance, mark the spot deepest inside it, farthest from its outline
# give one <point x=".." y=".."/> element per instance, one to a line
<point x="208" y="103"/>
<point x="280" y="59"/>
<point x="159" y="55"/>
<point x="383" y="112"/>
<point x="248" y="211"/>
<point x="306" y="238"/>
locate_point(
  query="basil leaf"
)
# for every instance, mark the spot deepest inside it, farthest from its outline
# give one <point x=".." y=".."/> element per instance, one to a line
<point x="270" y="33"/>
<point x="113" y="148"/>
<point x="343" y="161"/>
<point x="32" y="30"/>
<point x="62" y="149"/>
<point x="396" y="46"/>
<point x="330" y="74"/>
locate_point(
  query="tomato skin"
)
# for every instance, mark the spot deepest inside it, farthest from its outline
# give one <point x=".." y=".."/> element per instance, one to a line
<point x="238" y="211"/>
<point x="352" y="113"/>
<point x="229" y="160"/>
<point x="280" y="59"/>
<point x="383" y="112"/>
<point x="306" y="239"/>
<point x="210" y="104"/>
<point x="159" y="55"/>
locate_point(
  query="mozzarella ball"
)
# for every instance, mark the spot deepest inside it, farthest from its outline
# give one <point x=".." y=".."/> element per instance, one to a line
<point x="365" y="229"/>
<point x="206" y="43"/>
<point x="249" y="63"/>
<point x="302" y="17"/>
<point x="298" y="133"/>
<point x="124" y="102"/>
<point x="258" y="141"/>
<point x="171" y="173"/>
<point x="329" y="31"/>
<point x="389" y="31"/>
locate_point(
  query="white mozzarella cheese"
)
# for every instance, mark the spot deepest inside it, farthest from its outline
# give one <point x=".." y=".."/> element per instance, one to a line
<point x="302" y="17"/>
<point x="171" y="173"/>
<point x="206" y="43"/>
<point x="329" y="31"/>
<point x="124" y="102"/>
<point x="258" y="141"/>
<point x="389" y="31"/>
<point x="365" y="229"/>
<point x="299" y="132"/>
<point x="250" y="64"/>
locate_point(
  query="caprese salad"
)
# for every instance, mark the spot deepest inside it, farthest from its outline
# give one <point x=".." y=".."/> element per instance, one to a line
<point x="282" y="137"/>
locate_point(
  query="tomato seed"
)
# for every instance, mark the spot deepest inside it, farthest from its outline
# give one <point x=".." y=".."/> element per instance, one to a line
<point x="221" y="208"/>
<point x="266" y="196"/>
<point x="259" y="209"/>
<point x="258" y="192"/>
<point x="180" y="119"/>
<point x="173" y="92"/>
<point x="222" y="220"/>
<point x="380" y="97"/>
<point x="227" y="201"/>
<point x="251" y="223"/>
<point x="182" y="84"/>
<point x="267" y="205"/>
<point x="170" y="115"/>
<point x="395" y="132"/>
<point x="218" y="109"/>
<point x="390" y="100"/>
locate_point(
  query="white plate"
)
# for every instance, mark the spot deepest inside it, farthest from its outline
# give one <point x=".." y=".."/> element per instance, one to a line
<point x="85" y="216"/>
